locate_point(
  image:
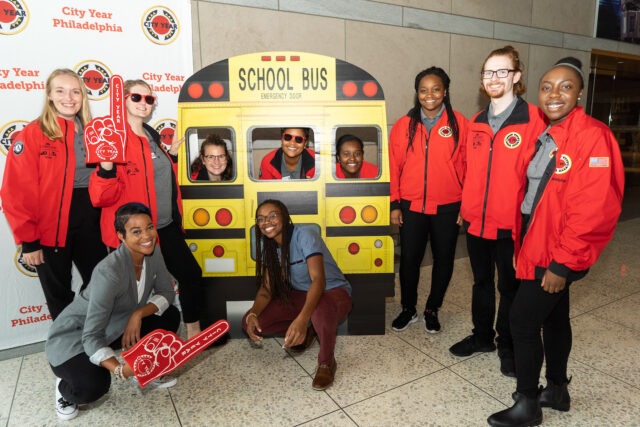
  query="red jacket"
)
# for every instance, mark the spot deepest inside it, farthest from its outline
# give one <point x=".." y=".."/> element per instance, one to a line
<point x="367" y="170"/>
<point x="38" y="185"/>
<point x="131" y="182"/>
<point x="494" y="165"/>
<point x="431" y="178"/>
<point x="270" y="164"/>
<point x="578" y="208"/>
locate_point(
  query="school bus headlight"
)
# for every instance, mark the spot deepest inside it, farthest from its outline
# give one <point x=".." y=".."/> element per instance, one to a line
<point x="195" y="90"/>
<point x="224" y="217"/>
<point x="193" y="247"/>
<point x="354" y="248"/>
<point x="347" y="214"/>
<point x="218" y="251"/>
<point x="216" y="90"/>
<point x="201" y="217"/>
<point x="349" y="89"/>
<point x="369" y="214"/>
<point x="377" y="243"/>
<point x="378" y="262"/>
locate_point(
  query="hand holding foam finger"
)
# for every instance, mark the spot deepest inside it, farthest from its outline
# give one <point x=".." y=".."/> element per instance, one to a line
<point x="105" y="137"/>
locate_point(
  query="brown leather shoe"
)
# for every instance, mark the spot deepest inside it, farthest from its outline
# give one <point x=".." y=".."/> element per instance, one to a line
<point x="308" y="341"/>
<point x="324" y="376"/>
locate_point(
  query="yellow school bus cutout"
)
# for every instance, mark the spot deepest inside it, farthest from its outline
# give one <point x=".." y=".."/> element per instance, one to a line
<point x="246" y="100"/>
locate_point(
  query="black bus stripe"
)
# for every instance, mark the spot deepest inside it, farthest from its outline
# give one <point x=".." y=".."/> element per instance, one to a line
<point x="212" y="192"/>
<point x="297" y="202"/>
<point x="347" y="231"/>
<point x="361" y="189"/>
<point x="218" y="233"/>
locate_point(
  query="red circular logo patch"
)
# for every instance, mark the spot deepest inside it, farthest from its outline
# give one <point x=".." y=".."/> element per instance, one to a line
<point x="7" y="133"/>
<point x="96" y="77"/>
<point x="14" y="16"/>
<point x="512" y="140"/>
<point x="160" y="25"/>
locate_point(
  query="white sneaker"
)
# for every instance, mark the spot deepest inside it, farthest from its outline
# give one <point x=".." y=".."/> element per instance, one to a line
<point x="65" y="410"/>
<point x="162" y="382"/>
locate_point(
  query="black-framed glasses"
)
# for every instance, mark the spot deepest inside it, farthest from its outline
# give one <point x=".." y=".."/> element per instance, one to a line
<point x="269" y="218"/>
<point x="136" y="97"/>
<point x="213" y="157"/>
<point x="296" y="138"/>
<point x="501" y="73"/>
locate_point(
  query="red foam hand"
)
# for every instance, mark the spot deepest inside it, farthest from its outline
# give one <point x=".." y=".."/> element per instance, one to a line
<point x="160" y="352"/>
<point x="105" y="137"/>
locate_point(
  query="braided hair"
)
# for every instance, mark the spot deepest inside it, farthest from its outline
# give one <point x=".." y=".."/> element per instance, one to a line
<point x="268" y="266"/>
<point x="414" y="113"/>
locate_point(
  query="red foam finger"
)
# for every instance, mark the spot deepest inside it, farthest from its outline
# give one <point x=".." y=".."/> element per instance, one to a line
<point x="117" y="108"/>
<point x="160" y="352"/>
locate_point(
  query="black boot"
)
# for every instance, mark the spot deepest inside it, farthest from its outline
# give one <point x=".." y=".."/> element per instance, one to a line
<point x="524" y="413"/>
<point x="556" y="396"/>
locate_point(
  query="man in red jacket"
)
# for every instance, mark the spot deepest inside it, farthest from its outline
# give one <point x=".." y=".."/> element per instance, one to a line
<point x="495" y="137"/>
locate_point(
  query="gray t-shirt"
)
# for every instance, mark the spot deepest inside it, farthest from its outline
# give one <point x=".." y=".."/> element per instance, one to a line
<point x="162" y="181"/>
<point x="288" y="174"/>
<point x="497" y="120"/>
<point x="429" y="122"/>
<point x="82" y="172"/>
<point x="306" y="242"/>
<point x="536" y="169"/>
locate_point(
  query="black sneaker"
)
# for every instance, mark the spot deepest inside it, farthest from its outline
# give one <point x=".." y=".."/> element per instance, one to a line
<point x="431" y="324"/>
<point x="404" y="319"/>
<point x="468" y="346"/>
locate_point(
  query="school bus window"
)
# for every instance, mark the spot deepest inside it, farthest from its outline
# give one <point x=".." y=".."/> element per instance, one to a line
<point x="210" y="153"/>
<point x="282" y="153"/>
<point x="357" y="152"/>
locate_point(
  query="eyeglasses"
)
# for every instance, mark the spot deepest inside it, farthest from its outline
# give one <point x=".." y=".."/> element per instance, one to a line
<point x="296" y="138"/>
<point x="213" y="157"/>
<point x="136" y="97"/>
<point x="501" y="73"/>
<point x="269" y="218"/>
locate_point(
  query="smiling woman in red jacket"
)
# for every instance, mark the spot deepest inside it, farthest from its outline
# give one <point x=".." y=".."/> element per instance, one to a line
<point x="426" y="164"/>
<point x="44" y="192"/>
<point x="149" y="177"/>
<point x="570" y="202"/>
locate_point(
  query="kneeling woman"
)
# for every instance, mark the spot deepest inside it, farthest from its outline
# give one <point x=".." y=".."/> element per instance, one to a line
<point x="300" y="288"/>
<point x="130" y="295"/>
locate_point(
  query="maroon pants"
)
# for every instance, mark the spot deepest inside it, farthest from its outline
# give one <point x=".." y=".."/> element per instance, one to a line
<point x="333" y="307"/>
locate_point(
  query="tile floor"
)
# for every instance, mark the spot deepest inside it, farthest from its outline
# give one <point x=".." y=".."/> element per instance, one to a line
<point x="398" y="379"/>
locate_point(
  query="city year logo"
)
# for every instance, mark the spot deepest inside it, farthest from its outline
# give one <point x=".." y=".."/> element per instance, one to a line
<point x="564" y="164"/>
<point x="96" y="77"/>
<point x="14" y="16"/>
<point x="166" y="128"/>
<point x="22" y="266"/>
<point x="512" y="140"/>
<point x="160" y="25"/>
<point x="445" y="132"/>
<point x="8" y="132"/>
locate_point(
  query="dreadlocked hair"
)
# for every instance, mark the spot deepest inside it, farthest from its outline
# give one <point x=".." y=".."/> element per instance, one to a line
<point x="414" y="113"/>
<point x="275" y="270"/>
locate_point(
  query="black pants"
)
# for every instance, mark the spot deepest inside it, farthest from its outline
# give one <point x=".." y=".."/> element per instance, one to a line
<point x="486" y="256"/>
<point x="83" y="382"/>
<point x="83" y="247"/>
<point x="415" y="232"/>
<point x="183" y="266"/>
<point x="534" y="309"/>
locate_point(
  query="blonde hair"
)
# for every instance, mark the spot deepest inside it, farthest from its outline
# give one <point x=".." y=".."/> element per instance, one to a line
<point x="131" y="83"/>
<point x="49" y="117"/>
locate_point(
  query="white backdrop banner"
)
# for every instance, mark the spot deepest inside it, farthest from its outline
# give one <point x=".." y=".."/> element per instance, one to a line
<point x="142" y="39"/>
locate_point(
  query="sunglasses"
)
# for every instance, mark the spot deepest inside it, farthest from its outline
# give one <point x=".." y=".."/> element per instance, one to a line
<point x="136" y="97"/>
<point x="289" y="137"/>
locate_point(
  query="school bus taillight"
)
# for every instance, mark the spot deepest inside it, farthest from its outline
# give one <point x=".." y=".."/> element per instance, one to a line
<point x="216" y="90"/>
<point x="354" y="248"/>
<point x="195" y="90"/>
<point x="201" y="217"/>
<point x="347" y="214"/>
<point x="370" y="89"/>
<point x="224" y="217"/>
<point x="369" y="214"/>
<point x="378" y="262"/>
<point x="218" y="251"/>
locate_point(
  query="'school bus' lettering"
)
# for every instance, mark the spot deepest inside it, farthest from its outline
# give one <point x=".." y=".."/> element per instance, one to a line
<point x="245" y="100"/>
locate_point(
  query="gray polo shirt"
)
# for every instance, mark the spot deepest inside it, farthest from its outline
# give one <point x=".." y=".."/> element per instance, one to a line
<point x="497" y="120"/>
<point x="428" y="122"/>
<point x="536" y="169"/>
